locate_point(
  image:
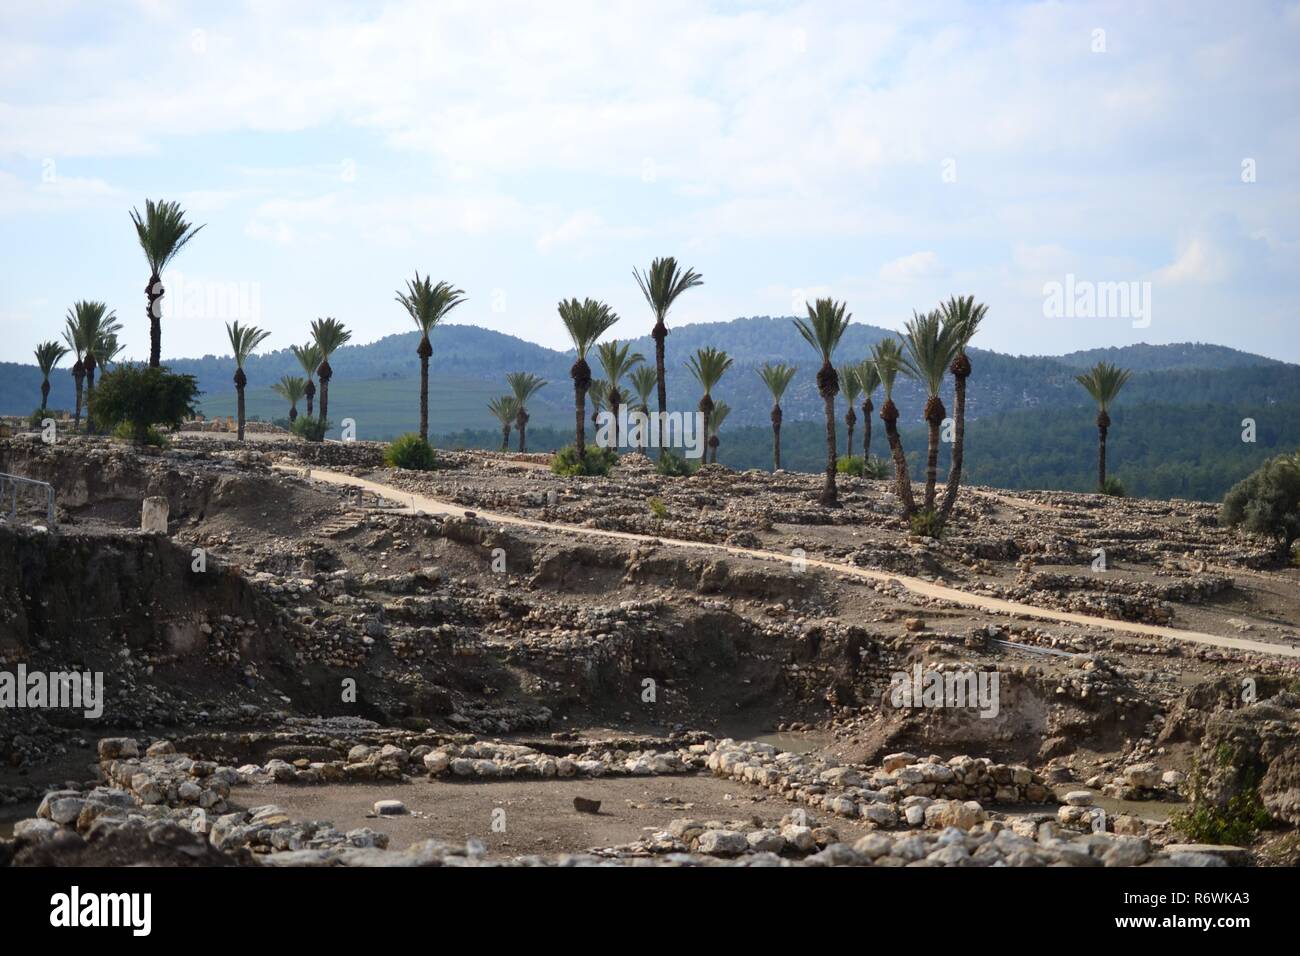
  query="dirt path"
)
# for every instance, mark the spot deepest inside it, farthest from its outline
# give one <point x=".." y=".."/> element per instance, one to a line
<point x="420" y="504"/>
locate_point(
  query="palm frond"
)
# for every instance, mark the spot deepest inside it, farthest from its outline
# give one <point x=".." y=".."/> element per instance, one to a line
<point x="929" y="347"/>
<point x="329" y="335"/>
<point x="48" y="355"/>
<point x="777" y="378"/>
<point x="1103" y="382"/>
<point x="291" y="388"/>
<point x="308" y="357"/>
<point x="243" y="340"/>
<point x="644" y="380"/>
<point x="707" y="365"/>
<point x="824" y="327"/>
<point x="963" y="315"/>
<point x="428" y="304"/>
<point x="852" y="385"/>
<point x="524" y="385"/>
<point x="719" y="415"/>
<point x="887" y="355"/>
<point x="163" y="232"/>
<point x="615" y="360"/>
<point x="505" y="409"/>
<point x="93" y="321"/>
<point x="868" y="376"/>
<point x="663" y="282"/>
<point x="585" y="321"/>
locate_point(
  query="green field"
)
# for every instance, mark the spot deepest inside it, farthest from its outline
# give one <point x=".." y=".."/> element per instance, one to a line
<point x="386" y="407"/>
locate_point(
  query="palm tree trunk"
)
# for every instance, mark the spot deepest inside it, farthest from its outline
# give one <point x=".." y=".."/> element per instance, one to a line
<point x="45" y="393"/>
<point x="154" y="292"/>
<point x="324" y="373"/>
<point x="78" y="376"/>
<point x="866" y="432"/>
<point x="310" y="392"/>
<point x="1103" y="425"/>
<point x="521" y="423"/>
<point x="958" y="446"/>
<point x="424" y="350"/>
<point x="850" y="420"/>
<point x="659" y="333"/>
<point x="830" y="495"/>
<point x="776" y="437"/>
<point x="293" y="413"/>
<point x="90" y="395"/>
<point x="505" y="437"/>
<point x="902" y="480"/>
<point x="580" y="420"/>
<point x="934" y="413"/>
<point x="240" y="381"/>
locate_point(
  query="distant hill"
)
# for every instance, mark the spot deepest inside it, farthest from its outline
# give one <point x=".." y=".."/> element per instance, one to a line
<point x="1158" y="358"/>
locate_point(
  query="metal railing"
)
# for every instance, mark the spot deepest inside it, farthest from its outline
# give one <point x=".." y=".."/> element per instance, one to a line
<point x="7" y="480"/>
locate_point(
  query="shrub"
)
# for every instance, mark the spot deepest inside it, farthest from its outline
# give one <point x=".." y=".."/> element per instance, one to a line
<point x="672" y="465"/>
<point x="658" y="508"/>
<point x="849" y="465"/>
<point x="1267" y="501"/>
<point x="927" y="523"/>
<point x="309" y="428"/>
<point x="1236" y="822"/>
<point x="152" y="436"/>
<point x="876" y="468"/>
<point x="410" y="451"/>
<point x="1113" y="487"/>
<point x="139" y="397"/>
<point x="597" y="461"/>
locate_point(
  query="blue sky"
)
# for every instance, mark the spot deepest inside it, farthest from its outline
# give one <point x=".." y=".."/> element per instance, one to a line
<point x="888" y="154"/>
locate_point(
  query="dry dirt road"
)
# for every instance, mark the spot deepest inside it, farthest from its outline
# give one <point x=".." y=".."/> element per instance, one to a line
<point x="420" y="504"/>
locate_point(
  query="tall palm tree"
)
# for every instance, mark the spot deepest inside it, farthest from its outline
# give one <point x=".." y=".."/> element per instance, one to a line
<point x="308" y="357"/>
<point x="1103" y="382"/>
<point x="852" y="388"/>
<point x="427" y="304"/>
<point x="644" y="380"/>
<point x="48" y="355"/>
<point x="585" y="321"/>
<point x="524" y="385"/>
<point x="94" y="322"/>
<point x="291" y="389"/>
<point x="72" y="335"/>
<point x="868" y="376"/>
<point x="616" y="362"/>
<point x="823" y="330"/>
<point x="707" y="365"/>
<point x="661" y="285"/>
<point x="504" y="409"/>
<point x="964" y="315"/>
<point x="329" y="335"/>
<point x="243" y="340"/>
<point x="163" y="232"/>
<point x="887" y="355"/>
<point x="777" y="379"/>
<point x="720" y="412"/>
<point x="929" y="347"/>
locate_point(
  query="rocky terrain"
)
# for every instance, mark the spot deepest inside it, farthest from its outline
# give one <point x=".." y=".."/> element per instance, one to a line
<point x="711" y="680"/>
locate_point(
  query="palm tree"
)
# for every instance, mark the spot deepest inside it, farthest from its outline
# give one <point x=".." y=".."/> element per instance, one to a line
<point x="597" y="391"/>
<point x="291" y="388"/>
<point x="108" y="349"/>
<point x="585" y="321"/>
<point x="661" y="285"/>
<point x="616" y="363"/>
<point x="242" y="342"/>
<point x="929" y="347"/>
<point x="94" y="322"/>
<point x="964" y="315"/>
<point x="868" y="376"/>
<point x="72" y="335"/>
<point x="504" y="409"/>
<point x="524" y="385"/>
<point x="48" y="355"/>
<point x="777" y="379"/>
<point x="852" y="388"/>
<point x="329" y="335"/>
<point x="308" y="357"/>
<point x="707" y="365"/>
<point x="720" y="413"/>
<point x="427" y="304"/>
<point x="1103" y="382"/>
<point x="644" y="379"/>
<point x="823" y="329"/>
<point x="888" y="357"/>
<point x="163" y="232"/>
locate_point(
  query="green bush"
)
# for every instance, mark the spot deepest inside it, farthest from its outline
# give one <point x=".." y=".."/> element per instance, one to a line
<point x="1267" y="501"/>
<point x="1113" y="487"/>
<point x="35" y="418"/>
<point x="597" y="461"/>
<point x="849" y="465"/>
<point x="309" y="428"/>
<point x="658" y="508"/>
<point x="927" y="523"/>
<point x="152" y="436"/>
<point x="672" y="465"/>
<point x="1235" y="823"/>
<point x="410" y="451"/>
<point x="139" y="397"/>
<point x="877" y="468"/>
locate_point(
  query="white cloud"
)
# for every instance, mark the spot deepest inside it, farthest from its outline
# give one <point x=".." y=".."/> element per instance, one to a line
<point x="911" y="268"/>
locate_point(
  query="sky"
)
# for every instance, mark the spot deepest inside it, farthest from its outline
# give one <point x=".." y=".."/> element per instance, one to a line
<point x="1140" y="162"/>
